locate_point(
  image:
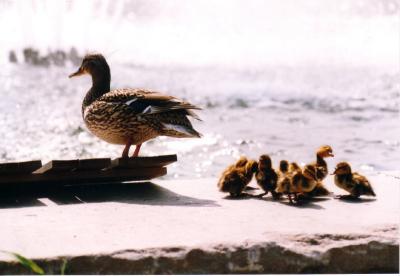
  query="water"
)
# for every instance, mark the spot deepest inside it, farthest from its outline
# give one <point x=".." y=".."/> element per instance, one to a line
<point x="277" y="77"/>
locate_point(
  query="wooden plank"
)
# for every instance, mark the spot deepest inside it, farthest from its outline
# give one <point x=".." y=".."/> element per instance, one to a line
<point x="94" y="163"/>
<point x="56" y="166"/>
<point x="20" y="167"/>
<point x="143" y="162"/>
<point x="79" y="177"/>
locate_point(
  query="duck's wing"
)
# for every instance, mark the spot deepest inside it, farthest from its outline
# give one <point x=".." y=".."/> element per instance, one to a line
<point x="146" y="102"/>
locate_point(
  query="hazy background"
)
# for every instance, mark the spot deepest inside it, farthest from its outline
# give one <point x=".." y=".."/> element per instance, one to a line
<point x="277" y="77"/>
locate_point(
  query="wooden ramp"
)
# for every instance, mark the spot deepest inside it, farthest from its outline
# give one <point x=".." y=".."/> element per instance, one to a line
<point x="32" y="174"/>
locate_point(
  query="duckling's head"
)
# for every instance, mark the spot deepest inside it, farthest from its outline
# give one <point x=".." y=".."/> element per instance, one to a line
<point x="283" y="166"/>
<point x="342" y="168"/>
<point x="241" y="162"/>
<point x="94" y="65"/>
<point x="294" y="166"/>
<point x="325" y="151"/>
<point x="264" y="162"/>
<point x="251" y="166"/>
<point x="310" y="172"/>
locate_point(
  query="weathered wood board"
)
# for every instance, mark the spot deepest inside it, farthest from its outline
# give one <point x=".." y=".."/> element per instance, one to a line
<point x="32" y="174"/>
<point x="143" y="162"/>
<point x="19" y="167"/>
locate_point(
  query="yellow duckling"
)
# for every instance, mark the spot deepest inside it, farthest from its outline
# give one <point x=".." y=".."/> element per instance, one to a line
<point x="321" y="165"/>
<point x="284" y="185"/>
<point x="294" y="168"/>
<point x="352" y="182"/>
<point x="130" y="116"/>
<point x="266" y="176"/>
<point x="306" y="180"/>
<point x="236" y="177"/>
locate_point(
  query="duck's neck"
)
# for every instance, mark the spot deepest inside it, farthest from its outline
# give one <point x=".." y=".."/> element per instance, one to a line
<point x="100" y="86"/>
<point x="320" y="161"/>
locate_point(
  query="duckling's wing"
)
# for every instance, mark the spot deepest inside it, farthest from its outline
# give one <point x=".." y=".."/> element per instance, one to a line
<point x="146" y="102"/>
<point x="363" y="185"/>
<point x="321" y="172"/>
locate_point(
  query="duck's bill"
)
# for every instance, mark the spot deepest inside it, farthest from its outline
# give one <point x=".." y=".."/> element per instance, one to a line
<point x="77" y="73"/>
<point x="331" y="155"/>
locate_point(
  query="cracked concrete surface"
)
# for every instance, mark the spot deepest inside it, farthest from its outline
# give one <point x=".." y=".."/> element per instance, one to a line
<point x="187" y="226"/>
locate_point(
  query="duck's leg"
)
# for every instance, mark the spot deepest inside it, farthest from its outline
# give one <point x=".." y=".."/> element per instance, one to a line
<point x="290" y="198"/>
<point x="137" y="149"/>
<point x="125" y="153"/>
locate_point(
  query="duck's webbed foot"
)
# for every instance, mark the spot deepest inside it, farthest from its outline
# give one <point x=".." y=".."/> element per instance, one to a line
<point x="290" y="199"/>
<point x="275" y="195"/>
<point x="261" y="195"/>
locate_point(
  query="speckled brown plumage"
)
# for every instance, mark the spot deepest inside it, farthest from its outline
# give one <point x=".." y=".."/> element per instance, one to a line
<point x="131" y="116"/>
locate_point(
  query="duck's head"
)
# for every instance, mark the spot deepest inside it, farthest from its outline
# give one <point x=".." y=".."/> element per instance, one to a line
<point x="342" y="168"/>
<point x="283" y="166"/>
<point x="94" y="65"/>
<point x="264" y="162"/>
<point x="310" y="172"/>
<point x="325" y="151"/>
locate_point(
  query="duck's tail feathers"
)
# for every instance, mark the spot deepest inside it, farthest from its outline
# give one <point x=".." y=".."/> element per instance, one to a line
<point x="370" y="191"/>
<point x="182" y="131"/>
<point x="193" y="114"/>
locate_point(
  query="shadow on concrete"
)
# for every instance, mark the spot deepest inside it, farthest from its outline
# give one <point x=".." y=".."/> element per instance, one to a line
<point x="356" y="200"/>
<point x="132" y="193"/>
<point x="303" y="203"/>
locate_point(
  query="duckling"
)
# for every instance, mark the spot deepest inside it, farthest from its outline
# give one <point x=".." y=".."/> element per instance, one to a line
<point x="321" y="168"/>
<point x="236" y="177"/>
<point x="320" y="163"/>
<point x="284" y="180"/>
<point x="352" y="182"/>
<point x="266" y="176"/>
<point x="305" y="181"/>
<point x="131" y="116"/>
<point x="294" y="168"/>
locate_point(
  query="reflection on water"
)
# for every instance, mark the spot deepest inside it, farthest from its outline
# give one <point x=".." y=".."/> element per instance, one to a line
<point x="358" y="116"/>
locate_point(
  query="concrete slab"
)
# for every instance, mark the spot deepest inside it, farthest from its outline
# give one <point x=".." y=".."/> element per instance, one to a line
<point x="187" y="226"/>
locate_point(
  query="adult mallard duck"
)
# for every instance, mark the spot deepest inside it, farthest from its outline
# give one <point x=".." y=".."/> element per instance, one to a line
<point x="130" y="116"/>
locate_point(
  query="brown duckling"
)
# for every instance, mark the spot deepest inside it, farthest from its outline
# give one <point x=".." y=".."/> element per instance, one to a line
<point x="266" y="176"/>
<point x="352" y="182"/>
<point x="236" y="177"/>
<point x="321" y="170"/>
